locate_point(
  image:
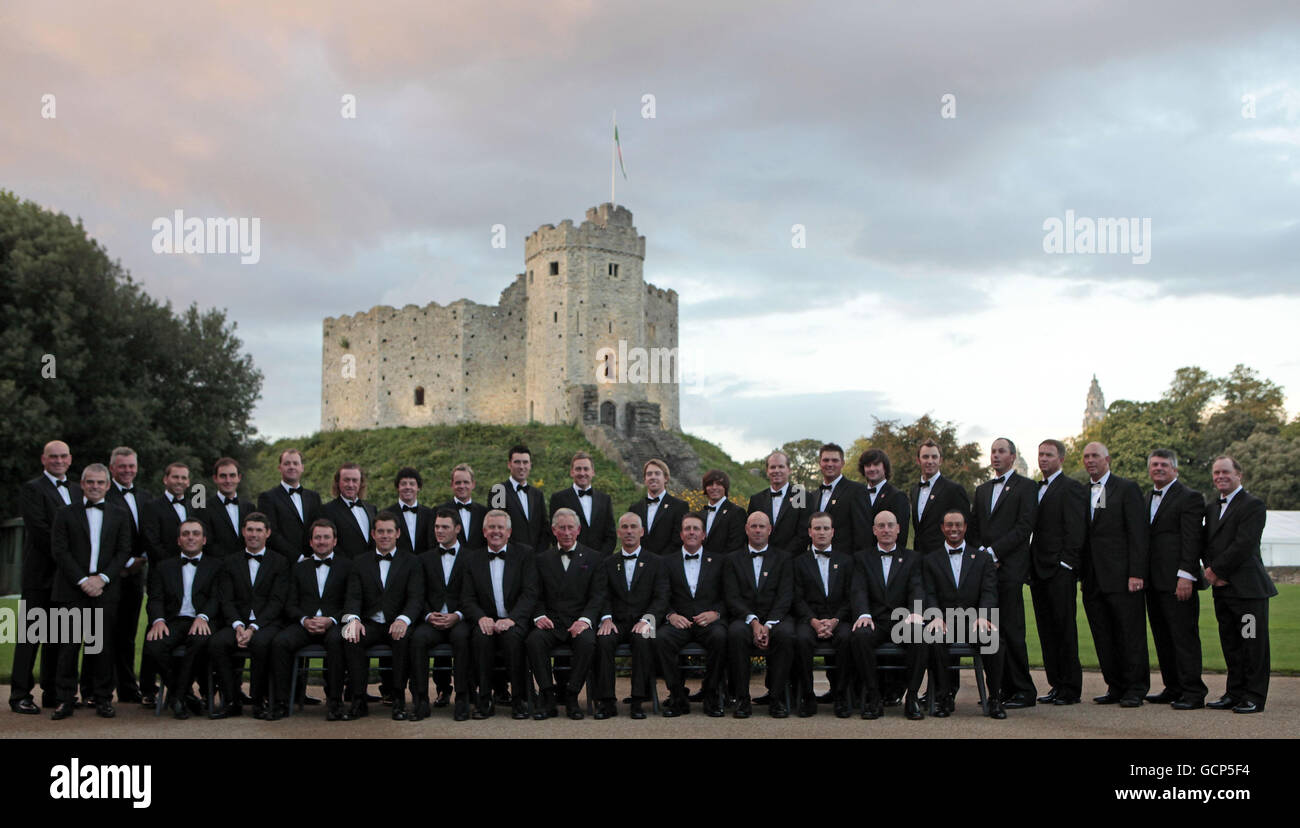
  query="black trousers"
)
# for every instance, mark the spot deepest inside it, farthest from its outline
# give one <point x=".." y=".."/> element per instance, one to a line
<point x="643" y="663"/>
<point x="1118" y="622"/>
<point x="864" y="643"/>
<point x="539" y="645"/>
<point x="806" y="641"/>
<point x="669" y="642"/>
<point x="426" y="637"/>
<point x="224" y="652"/>
<point x="96" y="668"/>
<point x="1011" y="642"/>
<point x="359" y="663"/>
<point x="993" y="664"/>
<point x="1055" y="613"/>
<point x="486" y="648"/>
<point x="779" y="655"/>
<point x="1243" y="634"/>
<point x="1175" y="628"/>
<point x="178" y="679"/>
<point x="130" y="597"/>
<point x="293" y="638"/>
<point x="22" y="677"/>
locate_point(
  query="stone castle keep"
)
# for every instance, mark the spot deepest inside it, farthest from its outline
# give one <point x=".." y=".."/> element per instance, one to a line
<point x="530" y="357"/>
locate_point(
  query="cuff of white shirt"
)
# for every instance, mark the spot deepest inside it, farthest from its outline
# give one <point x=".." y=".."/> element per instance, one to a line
<point x="605" y="618"/>
<point x="459" y="615"/>
<point x="253" y="626"/>
<point x="130" y="562"/>
<point x="237" y="625"/>
<point x="865" y="615"/>
<point x="203" y="615"/>
<point x="1185" y="575"/>
<point x="769" y="624"/>
<point x="155" y="621"/>
<point x="1067" y="566"/>
<point x="992" y="555"/>
<point x="584" y="619"/>
<point x="303" y="620"/>
<point x="538" y="618"/>
<point x="83" y="580"/>
<point x="349" y="617"/>
<point x="649" y="619"/>
<point x="749" y="619"/>
<point x="405" y="620"/>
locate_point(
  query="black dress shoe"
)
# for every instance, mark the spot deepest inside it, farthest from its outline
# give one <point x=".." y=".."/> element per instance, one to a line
<point x="278" y="712"/>
<point x="777" y="710"/>
<point x="442" y="698"/>
<point x="399" y="712"/>
<point x="669" y="708"/>
<point x="334" y="711"/>
<point x="1061" y="701"/>
<point x="874" y="709"/>
<point x="222" y="712"/>
<point x="519" y="710"/>
<point x="358" y="709"/>
<point x="1107" y="698"/>
<point x="63" y="711"/>
<point x="461" y="712"/>
<point x="25" y="706"/>
<point x="1019" y="701"/>
<point x="1225" y="702"/>
<point x="807" y="706"/>
<point x="713" y="710"/>
<point x="1248" y="707"/>
<point x="179" y="710"/>
<point x="572" y="710"/>
<point x="261" y="712"/>
<point x="1186" y="704"/>
<point x="637" y="712"/>
<point x="1130" y="701"/>
<point x="841" y="708"/>
<point x="744" y="709"/>
<point x="941" y="710"/>
<point x="996" y="710"/>
<point x="549" y="708"/>
<point x="1163" y="697"/>
<point x="420" y="710"/>
<point x="602" y="711"/>
<point x="912" y="709"/>
<point x="1048" y="697"/>
<point x="194" y="704"/>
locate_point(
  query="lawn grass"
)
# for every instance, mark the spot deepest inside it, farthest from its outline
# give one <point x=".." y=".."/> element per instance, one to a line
<point x="1283" y="622"/>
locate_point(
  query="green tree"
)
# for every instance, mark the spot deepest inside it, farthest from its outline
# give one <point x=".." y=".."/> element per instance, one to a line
<point x="804" y="466"/>
<point x="1269" y="463"/>
<point x="961" y="461"/>
<point x="89" y="358"/>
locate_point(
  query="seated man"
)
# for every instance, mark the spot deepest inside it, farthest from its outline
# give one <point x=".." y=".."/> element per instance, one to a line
<point x="317" y="592"/>
<point x="822" y="596"/>
<point x="636" y="596"/>
<point x="255" y="586"/>
<point x="696" y="606"/>
<point x="962" y="583"/>
<point x="500" y="592"/>
<point x="759" y="589"/>
<point x="443" y="621"/>
<point x="184" y="594"/>
<point x="385" y="592"/>
<point x="887" y="579"/>
<point x="571" y="595"/>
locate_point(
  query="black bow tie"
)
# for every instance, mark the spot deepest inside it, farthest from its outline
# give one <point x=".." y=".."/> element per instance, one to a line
<point x="522" y="488"/>
<point x="777" y="494"/>
<point x="62" y="483"/>
<point x="249" y="556"/>
<point x="125" y="492"/>
<point x="234" y="501"/>
<point x="885" y="554"/>
<point x="871" y="490"/>
<point x="380" y="556"/>
<point x="356" y="504"/>
<point x="822" y="554"/>
<point x="295" y="490"/>
<point x="956" y="551"/>
<point x="925" y="484"/>
<point x="100" y="505"/>
<point x="497" y="555"/>
<point x="176" y="501"/>
<point x="1044" y="482"/>
<point x="825" y="487"/>
<point x="319" y="562"/>
<point x="406" y="508"/>
<point x="584" y="492"/>
<point x="444" y="550"/>
<point x="689" y="557"/>
<point x="1223" y="500"/>
<point x="465" y="506"/>
<point x="712" y="508"/>
<point x="568" y="553"/>
<point x="630" y="557"/>
<point x="999" y="480"/>
<point x="189" y="561"/>
<point x="650" y="500"/>
<point x="757" y="554"/>
<point x="1157" y="493"/>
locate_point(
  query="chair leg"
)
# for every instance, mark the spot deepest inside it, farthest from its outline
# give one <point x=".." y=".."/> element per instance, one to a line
<point x="293" y="687"/>
<point x="979" y="682"/>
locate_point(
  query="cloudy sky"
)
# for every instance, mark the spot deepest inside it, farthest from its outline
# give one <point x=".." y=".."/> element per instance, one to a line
<point x="924" y="285"/>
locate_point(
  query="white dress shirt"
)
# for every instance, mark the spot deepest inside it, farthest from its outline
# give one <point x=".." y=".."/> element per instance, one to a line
<point x="521" y="496"/>
<point x="692" y="568"/>
<point x="709" y="515"/>
<point x="497" y="572"/>
<point x="923" y="495"/>
<point x="409" y="518"/>
<point x="826" y="493"/>
<point x="295" y="497"/>
<point x="584" y="502"/>
<point x="1042" y="490"/>
<point x="777" y="497"/>
<point x="823" y="560"/>
<point x="62" y="490"/>
<point x="954" y="561"/>
<point x="1098" y="491"/>
<point x="1223" y="507"/>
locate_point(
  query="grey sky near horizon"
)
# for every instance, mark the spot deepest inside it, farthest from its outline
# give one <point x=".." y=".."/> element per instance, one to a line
<point x="923" y="287"/>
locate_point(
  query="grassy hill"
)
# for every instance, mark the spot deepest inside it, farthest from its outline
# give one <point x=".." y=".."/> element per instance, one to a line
<point x="434" y="450"/>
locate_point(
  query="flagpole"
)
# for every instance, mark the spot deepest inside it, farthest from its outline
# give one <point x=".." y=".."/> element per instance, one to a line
<point x="613" y="157"/>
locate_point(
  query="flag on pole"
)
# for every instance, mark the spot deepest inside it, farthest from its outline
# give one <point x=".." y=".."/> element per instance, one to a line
<point x="619" y="148"/>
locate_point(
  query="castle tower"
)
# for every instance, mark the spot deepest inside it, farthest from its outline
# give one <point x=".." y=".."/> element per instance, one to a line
<point x="1095" y="411"/>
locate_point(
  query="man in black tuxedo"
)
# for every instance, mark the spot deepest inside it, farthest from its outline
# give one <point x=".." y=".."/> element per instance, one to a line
<point x="317" y="594"/>
<point x="224" y="513"/>
<point x="1056" y="555"/>
<point x="416" y="519"/>
<point x="385" y="594"/>
<point x="123" y="467"/>
<point x="823" y="582"/>
<point x="933" y="497"/>
<point x="184" y="597"/>
<point x="844" y="500"/>
<point x="785" y="504"/>
<point x="696" y="614"/>
<point x="1001" y="523"/>
<point x="759" y="587"/>
<point x="162" y="521"/>
<point x="961" y="582"/>
<point x="882" y="496"/>
<point x="350" y="512"/>
<point x="571" y="596"/>
<point x="660" y="513"/>
<point x="1115" y="564"/>
<point x="254" y="592"/>
<point x="469" y="515"/>
<point x="724" y="520"/>
<point x="525" y="504"/>
<point x="443" y="621"/>
<point x="636" y="598"/>
<point x="1233" y="526"/>
<point x="499" y="595"/>
<point x="887" y="587"/>
<point x="89" y="543"/>
<point x="1177" y="518"/>
<point x="592" y="507"/>
<point x="292" y="508"/>
<point x="40" y="499"/>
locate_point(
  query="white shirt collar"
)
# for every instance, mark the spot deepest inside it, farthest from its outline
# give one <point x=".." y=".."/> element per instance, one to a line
<point x="1105" y="477"/>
